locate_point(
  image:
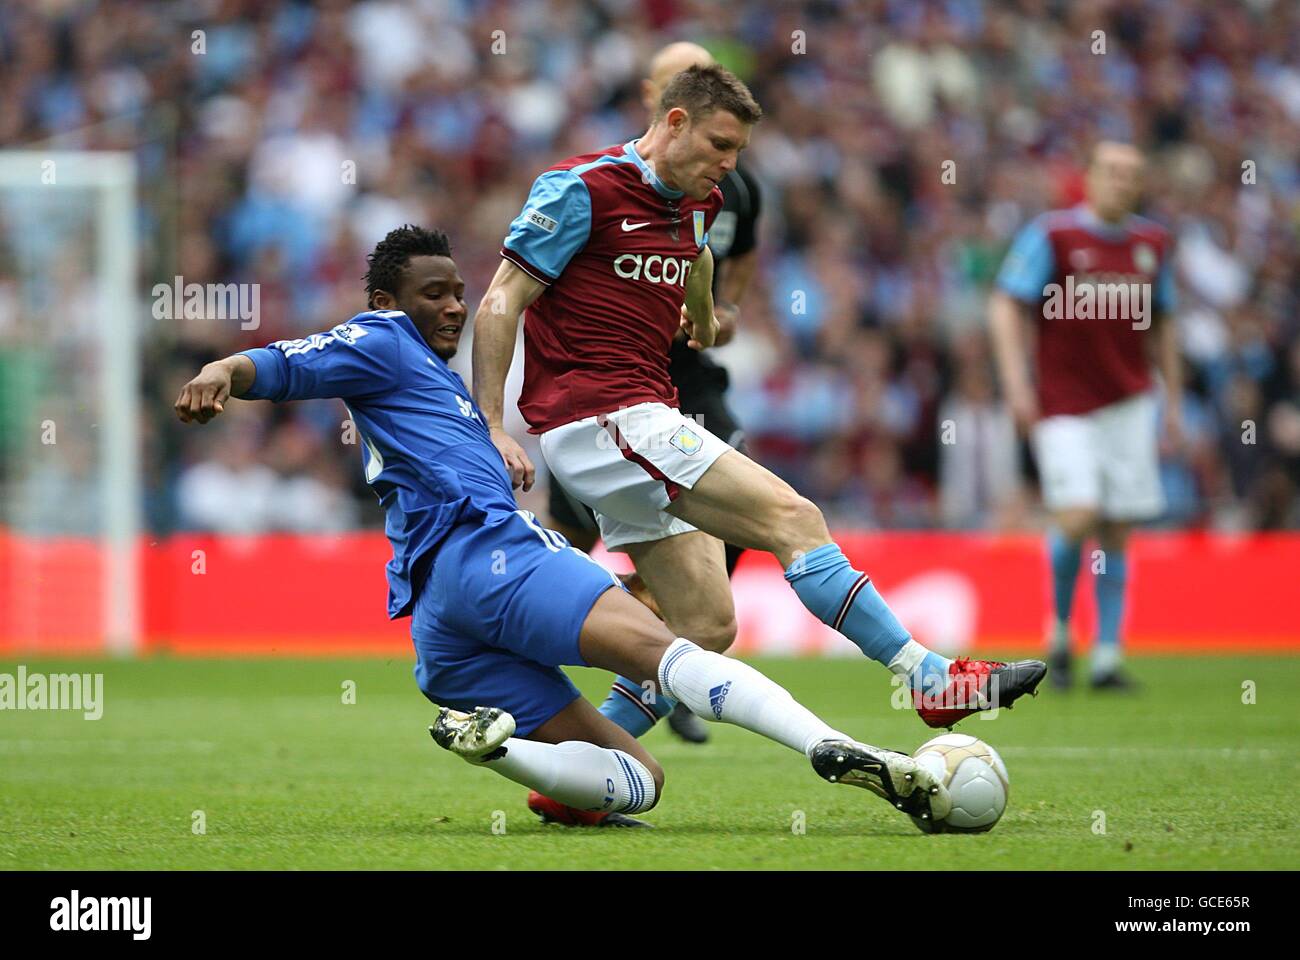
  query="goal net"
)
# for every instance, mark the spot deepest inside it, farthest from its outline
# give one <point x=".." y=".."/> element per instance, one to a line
<point x="70" y="487"/>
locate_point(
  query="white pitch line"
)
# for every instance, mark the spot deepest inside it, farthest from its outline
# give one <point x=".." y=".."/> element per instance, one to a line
<point x="1067" y="753"/>
<point x="70" y="746"/>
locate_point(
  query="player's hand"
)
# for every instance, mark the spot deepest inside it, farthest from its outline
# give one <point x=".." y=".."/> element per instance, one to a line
<point x="518" y="465"/>
<point x="1024" y="408"/>
<point x="699" y="335"/>
<point x="205" y="396"/>
<point x="728" y="317"/>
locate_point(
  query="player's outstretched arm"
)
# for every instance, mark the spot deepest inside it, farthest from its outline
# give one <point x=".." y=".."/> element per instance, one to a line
<point x="205" y="396"/>
<point x="698" y="321"/>
<point x="355" y="359"/>
<point x="496" y="325"/>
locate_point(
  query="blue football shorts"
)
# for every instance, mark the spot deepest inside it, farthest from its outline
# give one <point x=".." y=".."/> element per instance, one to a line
<point x="501" y="610"/>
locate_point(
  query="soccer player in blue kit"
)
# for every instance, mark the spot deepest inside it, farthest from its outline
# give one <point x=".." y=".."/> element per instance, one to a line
<point x="497" y="602"/>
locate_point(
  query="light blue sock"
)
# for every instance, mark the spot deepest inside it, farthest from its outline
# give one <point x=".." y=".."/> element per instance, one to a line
<point x="1110" y="609"/>
<point x="626" y="706"/>
<point x="845" y="599"/>
<point x="1063" y="555"/>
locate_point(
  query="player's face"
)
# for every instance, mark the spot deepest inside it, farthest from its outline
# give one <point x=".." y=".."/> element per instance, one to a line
<point x="704" y="151"/>
<point x="1115" y="180"/>
<point x="433" y="296"/>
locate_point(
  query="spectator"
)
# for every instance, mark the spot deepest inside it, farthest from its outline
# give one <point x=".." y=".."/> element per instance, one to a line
<point x="979" y="457"/>
<point x="902" y="146"/>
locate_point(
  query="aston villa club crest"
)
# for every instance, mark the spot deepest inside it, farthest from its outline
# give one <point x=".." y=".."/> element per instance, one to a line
<point x="701" y="238"/>
<point x="687" y="441"/>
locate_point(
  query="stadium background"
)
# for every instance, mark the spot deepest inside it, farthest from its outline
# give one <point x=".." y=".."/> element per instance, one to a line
<point x="241" y="150"/>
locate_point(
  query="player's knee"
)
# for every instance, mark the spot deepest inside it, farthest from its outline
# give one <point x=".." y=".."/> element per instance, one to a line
<point x="1112" y="536"/>
<point x="799" y="522"/>
<point x="1077" y="524"/>
<point x="640" y="765"/>
<point x="809" y="520"/>
<point x="716" y="634"/>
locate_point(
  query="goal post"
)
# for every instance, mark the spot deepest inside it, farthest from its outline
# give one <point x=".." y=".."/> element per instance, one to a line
<point x="70" y="473"/>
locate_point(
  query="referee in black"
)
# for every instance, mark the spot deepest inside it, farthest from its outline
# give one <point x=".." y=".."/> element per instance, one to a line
<point x="701" y="383"/>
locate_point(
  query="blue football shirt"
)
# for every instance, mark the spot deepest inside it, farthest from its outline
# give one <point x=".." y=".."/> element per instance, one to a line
<point x="425" y="444"/>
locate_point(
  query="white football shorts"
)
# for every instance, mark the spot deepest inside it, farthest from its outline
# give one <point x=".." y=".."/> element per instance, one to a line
<point x="629" y="465"/>
<point x="1105" y="459"/>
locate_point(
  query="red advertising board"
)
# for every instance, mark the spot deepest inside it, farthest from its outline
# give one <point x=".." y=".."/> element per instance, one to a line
<point x="315" y="595"/>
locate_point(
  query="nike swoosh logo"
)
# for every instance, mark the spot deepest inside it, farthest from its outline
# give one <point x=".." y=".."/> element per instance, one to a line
<point x="628" y="227"/>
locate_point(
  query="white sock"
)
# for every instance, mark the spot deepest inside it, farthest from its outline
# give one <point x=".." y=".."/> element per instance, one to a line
<point x="580" y="774"/>
<point x="1105" y="659"/>
<point x="1060" y="642"/>
<point x="720" y="688"/>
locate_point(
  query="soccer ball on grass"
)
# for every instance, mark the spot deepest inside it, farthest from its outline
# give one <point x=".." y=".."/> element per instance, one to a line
<point x="976" y="779"/>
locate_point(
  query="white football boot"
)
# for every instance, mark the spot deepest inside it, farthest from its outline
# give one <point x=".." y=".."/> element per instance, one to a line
<point x="894" y="776"/>
<point x="472" y="735"/>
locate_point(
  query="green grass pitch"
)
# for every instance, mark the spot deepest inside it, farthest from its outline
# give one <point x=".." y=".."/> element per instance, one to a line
<point x="288" y="776"/>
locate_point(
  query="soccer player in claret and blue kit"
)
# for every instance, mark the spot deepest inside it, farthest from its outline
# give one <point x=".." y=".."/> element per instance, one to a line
<point x="700" y="382"/>
<point x="608" y="258"/>
<point x="498" y="602"/>
<point x="1095" y="285"/>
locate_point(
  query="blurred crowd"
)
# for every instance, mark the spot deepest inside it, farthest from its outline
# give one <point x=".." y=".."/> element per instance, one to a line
<point x="904" y="143"/>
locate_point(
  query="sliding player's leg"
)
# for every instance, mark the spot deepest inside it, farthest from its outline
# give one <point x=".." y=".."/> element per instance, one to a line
<point x="527" y="722"/>
<point x="621" y="635"/>
<point x="570" y="762"/>
<point x="578" y="771"/>
<point x="501" y="610"/>
<point x="593" y="772"/>
<point x="743" y="503"/>
<point x="506" y="603"/>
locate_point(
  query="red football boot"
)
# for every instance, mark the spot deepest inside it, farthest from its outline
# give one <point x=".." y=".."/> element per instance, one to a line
<point x="976" y="685"/>
<point x="552" y="811"/>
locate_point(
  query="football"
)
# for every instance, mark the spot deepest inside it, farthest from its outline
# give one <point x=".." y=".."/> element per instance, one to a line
<point x="976" y="778"/>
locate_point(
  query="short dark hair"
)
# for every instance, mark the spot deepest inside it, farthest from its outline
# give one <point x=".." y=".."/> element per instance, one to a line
<point x="393" y="253"/>
<point x="702" y="89"/>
